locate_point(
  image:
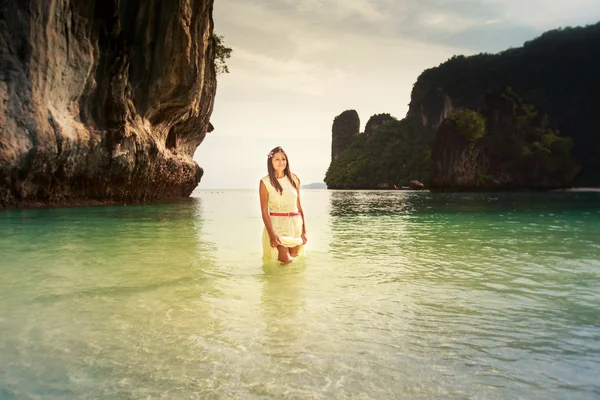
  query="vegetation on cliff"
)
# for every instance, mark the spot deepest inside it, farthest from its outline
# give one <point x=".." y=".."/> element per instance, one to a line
<point x="557" y="72"/>
<point x="222" y="54"/>
<point x="394" y="154"/>
<point x="509" y="144"/>
<point x="375" y="121"/>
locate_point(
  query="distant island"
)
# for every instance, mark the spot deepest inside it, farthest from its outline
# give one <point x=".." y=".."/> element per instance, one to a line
<point x="521" y="119"/>
<point x="314" y="185"/>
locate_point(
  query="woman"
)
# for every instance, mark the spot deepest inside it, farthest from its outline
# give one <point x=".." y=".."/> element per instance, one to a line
<point x="284" y="235"/>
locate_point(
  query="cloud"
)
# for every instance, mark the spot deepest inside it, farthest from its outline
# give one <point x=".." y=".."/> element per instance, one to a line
<point x="363" y="9"/>
<point x="293" y="75"/>
<point x="332" y="10"/>
<point x="446" y="22"/>
<point x="542" y="15"/>
<point x="484" y="39"/>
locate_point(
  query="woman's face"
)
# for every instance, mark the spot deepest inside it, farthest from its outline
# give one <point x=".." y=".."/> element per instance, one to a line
<point x="279" y="162"/>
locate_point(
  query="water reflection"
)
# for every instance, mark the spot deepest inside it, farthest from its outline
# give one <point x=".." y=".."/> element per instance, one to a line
<point x="458" y="261"/>
<point x="370" y="202"/>
<point x="283" y="302"/>
<point x="367" y="226"/>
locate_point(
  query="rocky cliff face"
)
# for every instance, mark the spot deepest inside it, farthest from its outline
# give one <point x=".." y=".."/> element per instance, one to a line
<point x="457" y="163"/>
<point x="431" y="109"/>
<point x="508" y="145"/>
<point x="557" y="72"/>
<point x="345" y="127"/>
<point x="103" y="101"/>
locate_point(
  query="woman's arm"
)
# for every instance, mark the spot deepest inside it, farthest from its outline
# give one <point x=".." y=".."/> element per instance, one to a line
<point x="264" y="208"/>
<point x="299" y="205"/>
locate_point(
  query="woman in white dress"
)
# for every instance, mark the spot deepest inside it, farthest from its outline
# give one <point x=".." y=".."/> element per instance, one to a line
<point x="284" y="235"/>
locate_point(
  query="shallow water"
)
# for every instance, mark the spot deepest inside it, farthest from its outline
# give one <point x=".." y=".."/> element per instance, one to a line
<point x="401" y="295"/>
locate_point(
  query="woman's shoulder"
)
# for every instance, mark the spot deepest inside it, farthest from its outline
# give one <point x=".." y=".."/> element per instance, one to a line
<point x="266" y="181"/>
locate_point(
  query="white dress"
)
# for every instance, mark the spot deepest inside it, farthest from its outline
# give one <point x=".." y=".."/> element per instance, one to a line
<point x="287" y="228"/>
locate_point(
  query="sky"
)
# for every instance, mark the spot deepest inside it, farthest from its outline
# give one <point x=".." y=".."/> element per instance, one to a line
<point x="297" y="64"/>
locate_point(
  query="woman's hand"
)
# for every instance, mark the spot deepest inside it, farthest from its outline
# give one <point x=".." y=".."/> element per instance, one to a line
<point x="304" y="239"/>
<point x="275" y="241"/>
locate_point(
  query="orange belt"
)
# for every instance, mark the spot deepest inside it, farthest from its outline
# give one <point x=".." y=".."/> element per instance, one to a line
<point x="291" y="214"/>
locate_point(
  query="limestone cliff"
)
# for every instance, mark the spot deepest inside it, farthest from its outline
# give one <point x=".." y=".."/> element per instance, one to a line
<point x="508" y="145"/>
<point x="345" y="127"/>
<point x="557" y="72"/>
<point x="103" y="101"/>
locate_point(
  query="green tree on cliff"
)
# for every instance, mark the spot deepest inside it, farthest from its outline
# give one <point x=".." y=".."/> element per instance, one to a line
<point x="508" y="145"/>
<point x="469" y="123"/>
<point x="222" y="54"/>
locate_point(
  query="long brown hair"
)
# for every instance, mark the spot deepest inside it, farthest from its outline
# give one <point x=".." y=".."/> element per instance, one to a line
<point x="286" y="171"/>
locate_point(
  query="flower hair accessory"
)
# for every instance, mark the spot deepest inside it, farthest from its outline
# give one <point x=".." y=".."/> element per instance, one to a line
<point x="275" y="150"/>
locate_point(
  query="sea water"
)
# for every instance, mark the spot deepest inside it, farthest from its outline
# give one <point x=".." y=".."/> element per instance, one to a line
<point x="400" y="295"/>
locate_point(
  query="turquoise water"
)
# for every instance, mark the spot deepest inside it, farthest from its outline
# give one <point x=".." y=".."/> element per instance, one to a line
<point x="401" y="295"/>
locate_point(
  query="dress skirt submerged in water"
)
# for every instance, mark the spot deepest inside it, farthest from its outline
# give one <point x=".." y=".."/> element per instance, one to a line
<point x="289" y="231"/>
<point x="287" y="227"/>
